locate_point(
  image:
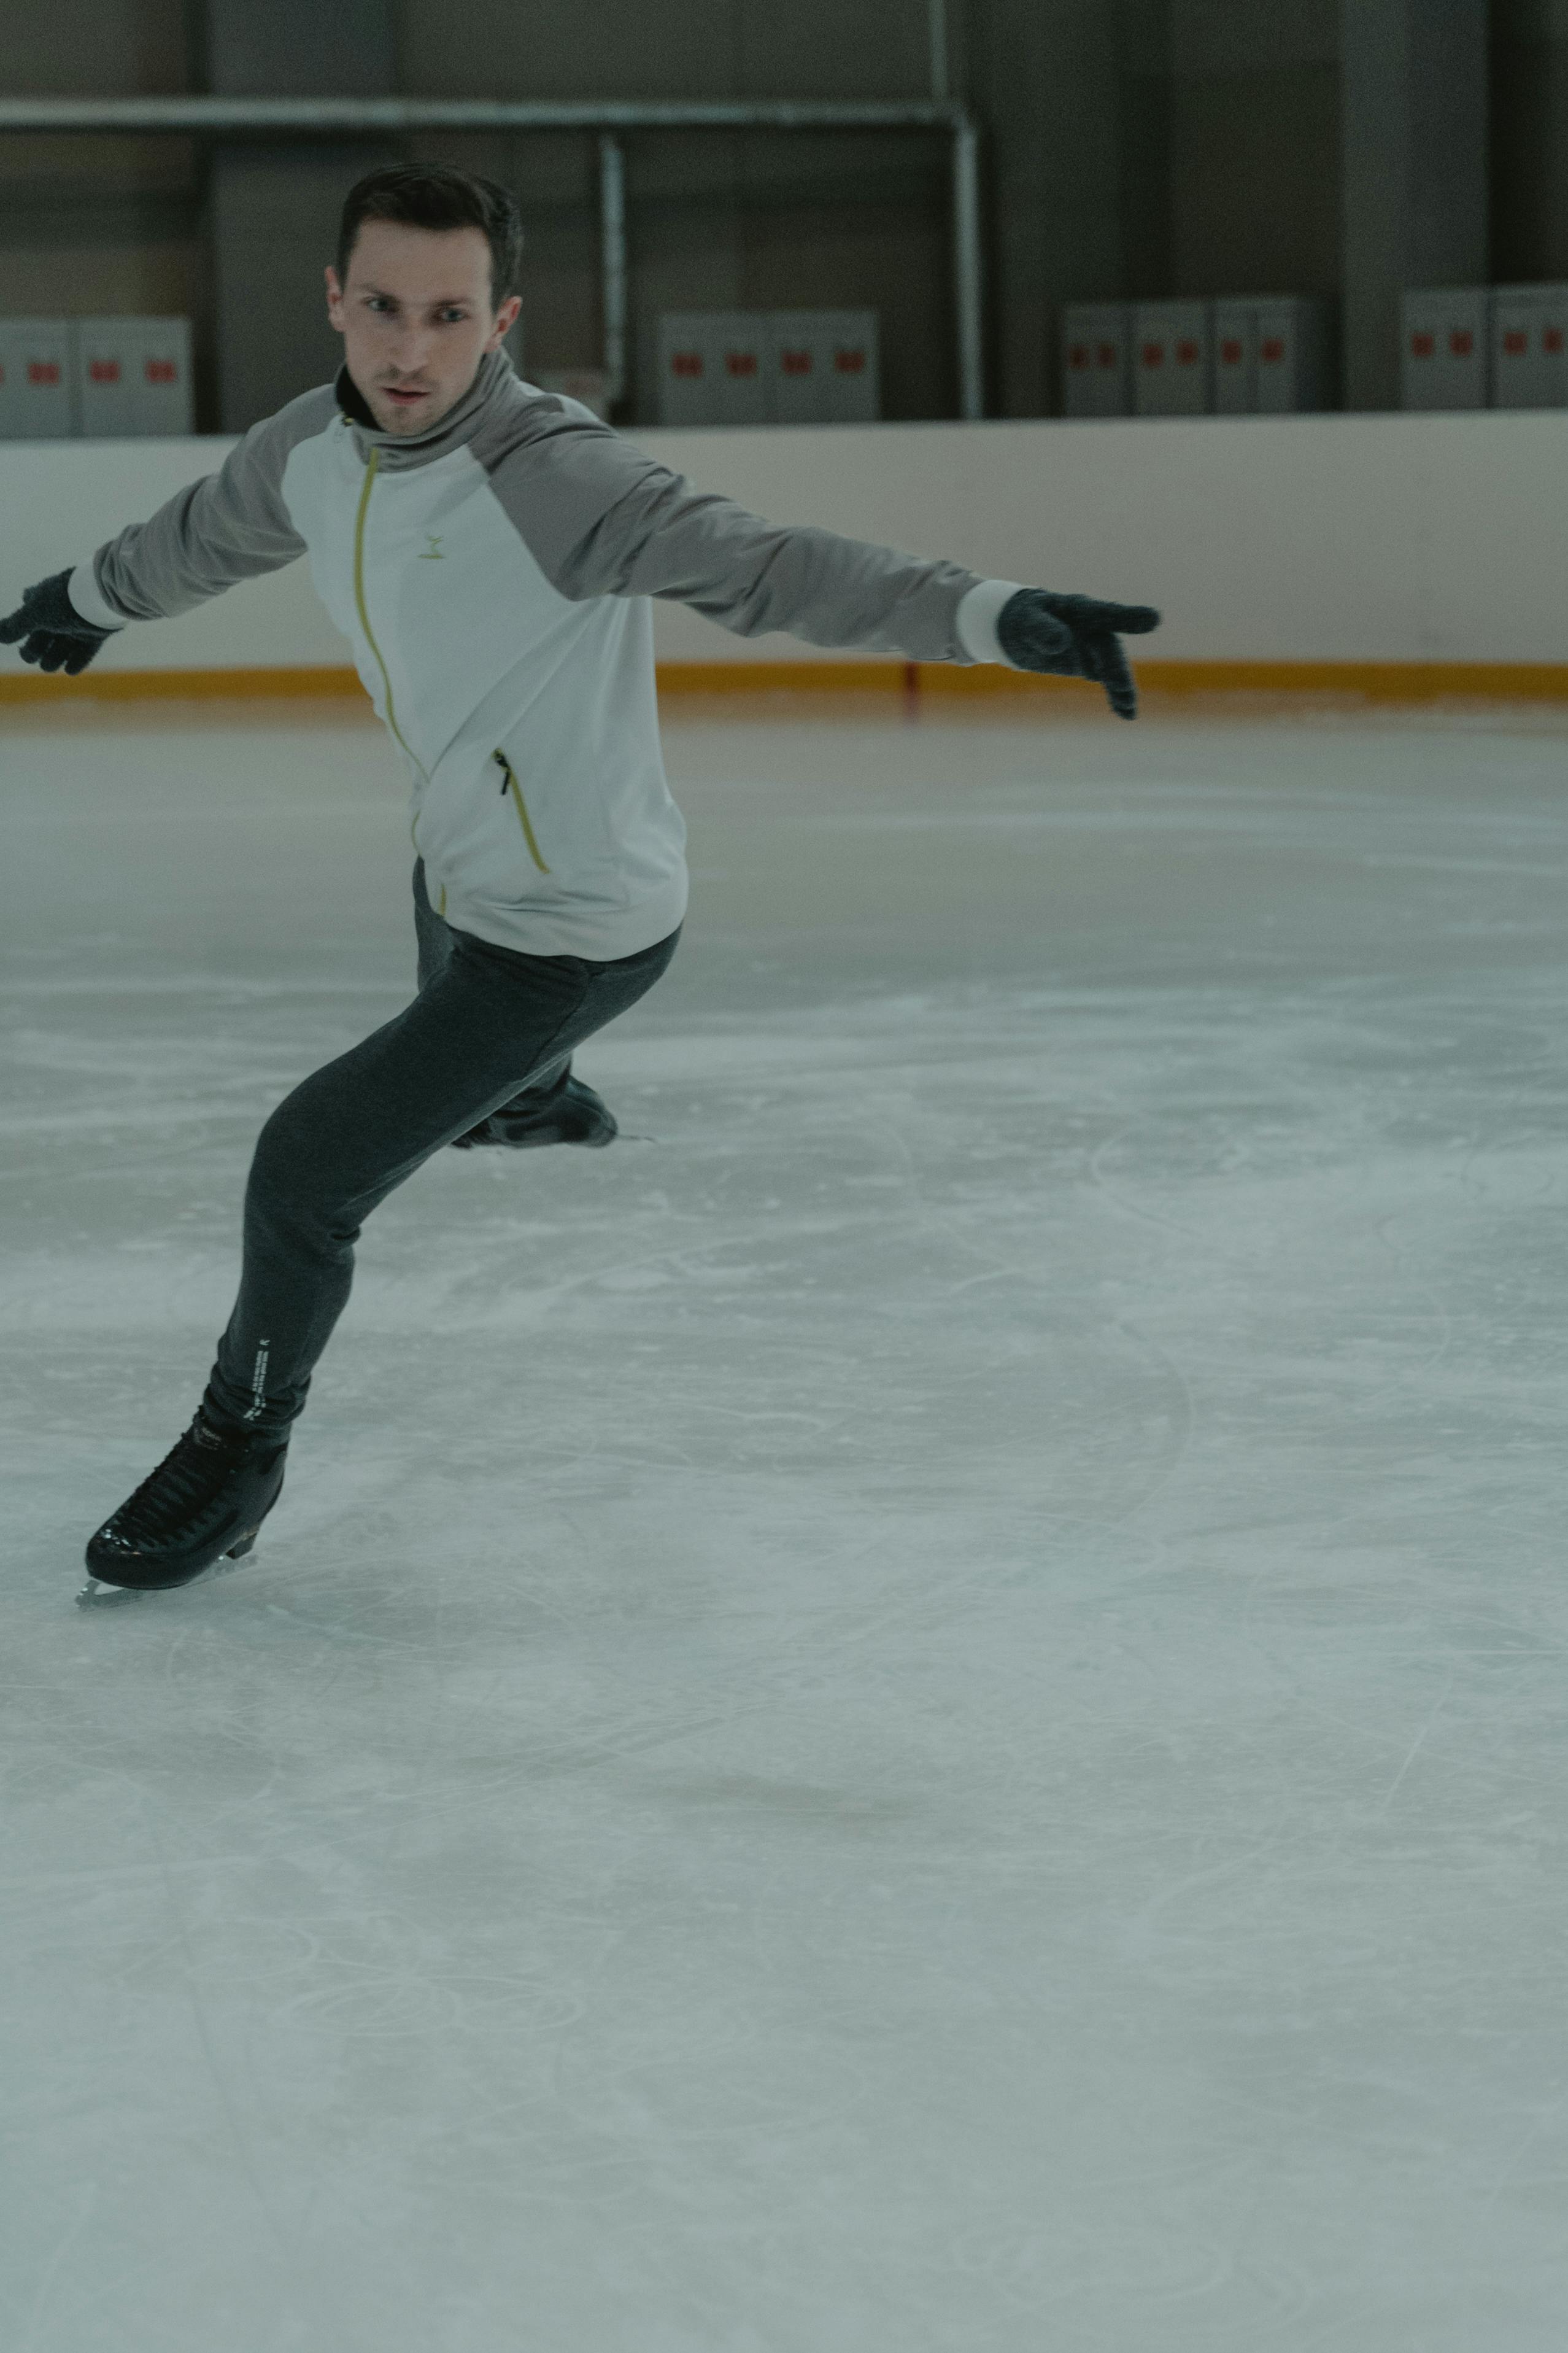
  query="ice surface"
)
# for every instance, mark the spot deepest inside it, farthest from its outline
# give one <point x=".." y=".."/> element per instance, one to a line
<point x="924" y="1716"/>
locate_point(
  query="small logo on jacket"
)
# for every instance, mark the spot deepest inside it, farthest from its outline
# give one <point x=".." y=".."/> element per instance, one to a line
<point x="432" y="554"/>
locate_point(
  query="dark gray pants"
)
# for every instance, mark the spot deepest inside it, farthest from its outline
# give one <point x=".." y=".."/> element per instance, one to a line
<point x="487" y="1023"/>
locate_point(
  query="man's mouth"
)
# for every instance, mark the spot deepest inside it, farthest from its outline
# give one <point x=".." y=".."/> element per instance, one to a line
<point x="404" y="395"/>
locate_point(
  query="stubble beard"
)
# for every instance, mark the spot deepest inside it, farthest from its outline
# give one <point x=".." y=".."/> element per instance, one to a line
<point x="410" y="422"/>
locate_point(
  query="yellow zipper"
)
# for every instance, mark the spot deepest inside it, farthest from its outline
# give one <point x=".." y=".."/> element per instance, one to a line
<point x="504" y="764"/>
<point x="369" y="472"/>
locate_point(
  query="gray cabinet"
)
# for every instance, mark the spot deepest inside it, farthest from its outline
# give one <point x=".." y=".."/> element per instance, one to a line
<point x="769" y="367"/>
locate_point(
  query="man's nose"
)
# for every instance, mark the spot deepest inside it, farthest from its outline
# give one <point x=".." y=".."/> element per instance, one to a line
<point x="411" y="350"/>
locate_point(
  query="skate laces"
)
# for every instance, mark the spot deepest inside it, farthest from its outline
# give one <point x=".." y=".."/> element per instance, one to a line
<point x="188" y="1478"/>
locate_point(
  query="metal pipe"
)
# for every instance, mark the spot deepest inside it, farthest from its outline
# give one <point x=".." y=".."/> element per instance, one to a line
<point x="307" y="117"/>
<point x="936" y="27"/>
<point x="230" y="116"/>
<point x="613" y="262"/>
<point x="966" y="263"/>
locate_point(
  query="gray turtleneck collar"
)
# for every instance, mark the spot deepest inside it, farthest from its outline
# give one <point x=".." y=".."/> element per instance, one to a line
<point x="460" y="424"/>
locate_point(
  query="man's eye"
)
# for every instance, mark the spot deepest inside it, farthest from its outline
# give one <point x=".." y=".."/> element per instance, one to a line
<point x="453" y="317"/>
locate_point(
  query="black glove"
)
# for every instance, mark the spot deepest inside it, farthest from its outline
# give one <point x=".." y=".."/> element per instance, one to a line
<point x="52" y="631"/>
<point x="1075" y="636"/>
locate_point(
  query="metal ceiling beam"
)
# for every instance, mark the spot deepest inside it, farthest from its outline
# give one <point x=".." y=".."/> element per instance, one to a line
<point x="227" y="117"/>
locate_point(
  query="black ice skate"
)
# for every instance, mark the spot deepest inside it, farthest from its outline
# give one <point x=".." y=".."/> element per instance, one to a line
<point x="200" y="1508"/>
<point x="566" y="1112"/>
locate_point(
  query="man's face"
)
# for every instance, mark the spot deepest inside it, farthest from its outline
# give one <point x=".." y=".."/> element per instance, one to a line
<point x="416" y="319"/>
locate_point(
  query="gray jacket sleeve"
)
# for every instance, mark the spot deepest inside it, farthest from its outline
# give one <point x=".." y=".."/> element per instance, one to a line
<point x="604" y="519"/>
<point x="228" y="526"/>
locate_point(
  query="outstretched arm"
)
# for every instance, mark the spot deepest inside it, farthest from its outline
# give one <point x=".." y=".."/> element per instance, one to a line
<point x="604" y="519"/>
<point x="228" y="526"/>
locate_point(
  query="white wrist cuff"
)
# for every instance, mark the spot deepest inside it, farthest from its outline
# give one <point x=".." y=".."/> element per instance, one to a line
<point x="83" y="590"/>
<point x="977" y="617"/>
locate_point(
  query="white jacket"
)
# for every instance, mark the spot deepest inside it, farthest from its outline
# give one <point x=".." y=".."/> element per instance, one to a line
<point x="492" y="578"/>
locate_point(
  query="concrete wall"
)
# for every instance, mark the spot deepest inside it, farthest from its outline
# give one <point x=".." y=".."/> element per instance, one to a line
<point x="715" y="223"/>
<point x="87" y="224"/>
<point x="1103" y="121"/>
<point x="1255" y="146"/>
<point x="1132" y="147"/>
<point x="101" y="225"/>
<point x="1334" y="538"/>
<point x="274" y="210"/>
<point x="1416" y="187"/>
<point x="1529" y="140"/>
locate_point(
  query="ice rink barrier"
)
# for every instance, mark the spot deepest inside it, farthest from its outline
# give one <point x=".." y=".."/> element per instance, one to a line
<point x="1399" y="556"/>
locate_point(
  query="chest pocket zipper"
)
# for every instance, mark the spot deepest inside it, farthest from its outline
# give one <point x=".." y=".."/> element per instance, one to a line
<point x="510" y="784"/>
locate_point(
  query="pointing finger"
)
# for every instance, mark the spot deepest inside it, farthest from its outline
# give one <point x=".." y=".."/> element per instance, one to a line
<point x="1116" y="676"/>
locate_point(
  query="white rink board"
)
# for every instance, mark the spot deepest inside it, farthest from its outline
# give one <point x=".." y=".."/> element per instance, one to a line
<point x="1314" y="538"/>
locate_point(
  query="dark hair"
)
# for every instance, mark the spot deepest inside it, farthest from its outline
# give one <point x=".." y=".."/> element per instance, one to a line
<point x="439" y="196"/>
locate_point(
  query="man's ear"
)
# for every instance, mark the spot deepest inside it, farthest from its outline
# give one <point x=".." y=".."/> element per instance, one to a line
<point x="334" y="298"/>
<point x="505" y="319"/>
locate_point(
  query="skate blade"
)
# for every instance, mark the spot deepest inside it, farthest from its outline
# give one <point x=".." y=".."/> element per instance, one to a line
<point x="95" y="1595"/>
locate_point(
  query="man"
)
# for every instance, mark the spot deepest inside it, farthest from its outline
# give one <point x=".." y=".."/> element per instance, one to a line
<point x="489" y="551"/>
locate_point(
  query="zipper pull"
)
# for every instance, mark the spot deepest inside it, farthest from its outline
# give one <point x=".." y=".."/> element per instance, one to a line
<point x="500" y="760"/>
